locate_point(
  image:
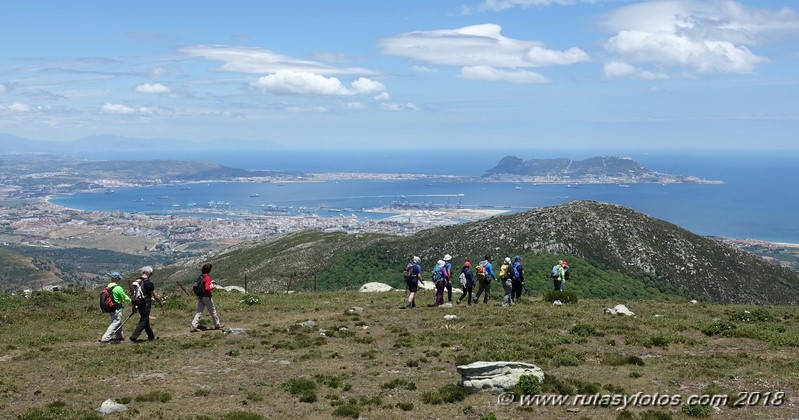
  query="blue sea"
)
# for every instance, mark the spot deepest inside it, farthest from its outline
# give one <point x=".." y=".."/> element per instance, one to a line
<point x="757" y="199"/>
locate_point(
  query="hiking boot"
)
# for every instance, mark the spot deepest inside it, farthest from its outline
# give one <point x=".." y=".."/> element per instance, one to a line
<point x="408" y="306"/>
<point x="193" y="329"/>
<point x="154" y="338"/>
<point x="134" y="341"/>
<point x="219" y="327"/>
<point x="458" y="302"/>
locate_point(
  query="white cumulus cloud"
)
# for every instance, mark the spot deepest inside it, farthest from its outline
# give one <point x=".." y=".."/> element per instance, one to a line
<point x="478" y="46"/>
<point x="152" y="88"/>
<point x="303" y="83"/>
<point x="499" y="75"/>
<point x="620" y="69"/>
<point x="383" y="96"/>
<point x="714" y="36"/>
<point x="117" y="109"/>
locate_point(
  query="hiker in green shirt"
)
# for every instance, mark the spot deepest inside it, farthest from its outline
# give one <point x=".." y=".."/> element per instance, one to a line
<point x="120" y="297"/>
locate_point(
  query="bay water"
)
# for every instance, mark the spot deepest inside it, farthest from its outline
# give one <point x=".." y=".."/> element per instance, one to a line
<point x="757" y="200"/>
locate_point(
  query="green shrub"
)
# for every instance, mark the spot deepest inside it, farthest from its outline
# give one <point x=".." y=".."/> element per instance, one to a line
<point x="302" y="387"/>
<point x="347" y="410"/>
<point x="405" y="406"/>
<point x="489" y="416"/>
<point x="154" y="396"/>
<point x="567" y="359"/>
<point x="563" y="297"/>
<point x="756" y="315"/>
<point x="242" y="415"/>
<point x="719" y="328"/>
<point x="583" y="330"/>
<point x="399" y="383"/>
<point x="446" y="394"/>
<point x="696" y="410"/>
<point x="527" y="385"/>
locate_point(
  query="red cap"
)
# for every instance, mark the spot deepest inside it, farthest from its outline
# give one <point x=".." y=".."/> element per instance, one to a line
<point x="565" y="264"/>
<point x="467" y="264"/>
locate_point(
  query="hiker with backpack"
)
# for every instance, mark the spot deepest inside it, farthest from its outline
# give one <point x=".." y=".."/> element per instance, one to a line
<point x="112" y="298"/>
<point x="558" y="276"/>
<point x="506" y="275"/>
<point x="439" y="280"/>
<point x="447" y="271"/>
<point x="413" y="276"/>
<point x="143" y="293"/>
<point x="466" y="279"/>
<point x="518" y="281"/>
<point x="485" y="273"/>
<point x="203" y="286"/>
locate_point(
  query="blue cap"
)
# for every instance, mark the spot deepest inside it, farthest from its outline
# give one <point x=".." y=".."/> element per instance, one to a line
<point x="517" y="258"/>
<point x="115" y="275"/>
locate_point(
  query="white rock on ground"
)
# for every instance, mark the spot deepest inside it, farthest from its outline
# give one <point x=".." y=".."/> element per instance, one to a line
<point x="233" y="289"/>
<point x="110" y="406"/>
<point x="619" y="310"/>
<point x="496" y="376"/>
<point x="375" y="287"/>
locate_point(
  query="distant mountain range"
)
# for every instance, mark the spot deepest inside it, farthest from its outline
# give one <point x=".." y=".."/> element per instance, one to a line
<point x="600" y="169"/>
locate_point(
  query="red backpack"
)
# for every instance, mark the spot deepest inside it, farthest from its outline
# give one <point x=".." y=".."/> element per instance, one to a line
<point x="107" y="303"/>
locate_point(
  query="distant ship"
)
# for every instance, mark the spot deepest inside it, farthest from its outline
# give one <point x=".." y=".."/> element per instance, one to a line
<point x="109" y="191"/>
<point x="255" y="195"/>
<point x="163" y="197"/>
<point x="572" y="186"/>
<point x="624" y="186"/>
<point x="518" y="187"/>
<point x="138" y="200"/>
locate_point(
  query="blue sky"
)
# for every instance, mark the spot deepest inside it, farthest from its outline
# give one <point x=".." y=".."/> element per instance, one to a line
<point x="548" y="74"/>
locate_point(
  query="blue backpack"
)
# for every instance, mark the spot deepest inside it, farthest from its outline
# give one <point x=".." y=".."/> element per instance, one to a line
<point x="437" y="276"/>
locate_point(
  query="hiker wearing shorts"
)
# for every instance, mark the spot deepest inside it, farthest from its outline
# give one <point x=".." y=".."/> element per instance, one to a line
<point x="144" y="292"/>
<point x="412" y="281"/>
<point x="206" y="301"/>
<point x="484" y="283"/>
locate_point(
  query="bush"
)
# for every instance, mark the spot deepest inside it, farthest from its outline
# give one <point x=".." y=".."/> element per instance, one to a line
<point x="757" y="315"/>
<point x="242" y="415"/>
<point x="302" y="387"/>
<point x="347" y="410"/>
<point x="719" y="328"/>
<point x="154" y="396"/>
<point x="250" y="300"/>
<point x="405" y="406"/>
<point x="696" y="410"/>
<point x="446" y="394"/>
<point x="563" y="297"/>
<point x="527" y="385"/>
<point x="583" y="330"/>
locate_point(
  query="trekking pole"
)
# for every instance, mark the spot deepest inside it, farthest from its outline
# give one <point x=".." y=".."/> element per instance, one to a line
<point x="123" y="322"/>
<point x="182" y="288"/>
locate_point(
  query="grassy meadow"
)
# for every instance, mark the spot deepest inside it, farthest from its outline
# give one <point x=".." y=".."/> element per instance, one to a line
<point x="376" y="361"/>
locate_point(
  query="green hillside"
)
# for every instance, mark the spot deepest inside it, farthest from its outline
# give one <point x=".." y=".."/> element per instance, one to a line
<point x="613" y="251"/>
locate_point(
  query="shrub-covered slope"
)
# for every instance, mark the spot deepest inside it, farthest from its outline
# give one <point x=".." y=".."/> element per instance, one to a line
<point x="612" y="249"/>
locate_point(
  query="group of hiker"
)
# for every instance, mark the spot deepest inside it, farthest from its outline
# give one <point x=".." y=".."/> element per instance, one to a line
<point x="511" y="276"/>
<point x="142" y="294"/>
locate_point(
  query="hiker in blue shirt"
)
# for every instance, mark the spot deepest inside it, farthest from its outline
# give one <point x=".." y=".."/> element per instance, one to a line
<point x="412" y="280"/>
<point x="518" y="281"/>
<point x="485" y="273"/>
<point x="447" y="272"/>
